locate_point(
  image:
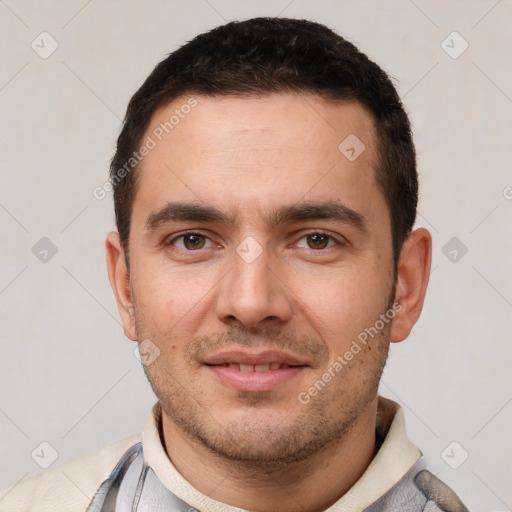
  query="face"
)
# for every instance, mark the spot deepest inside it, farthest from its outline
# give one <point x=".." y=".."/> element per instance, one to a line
<point x="260" y="254"/>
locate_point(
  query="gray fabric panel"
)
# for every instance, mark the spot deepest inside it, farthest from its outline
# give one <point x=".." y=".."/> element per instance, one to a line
<point x="133" y="487"/>
<point x="156" y="497"/>
<point x="403" y="496"/>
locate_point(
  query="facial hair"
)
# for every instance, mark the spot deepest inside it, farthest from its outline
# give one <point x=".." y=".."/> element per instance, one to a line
<point x="255" y="441"/>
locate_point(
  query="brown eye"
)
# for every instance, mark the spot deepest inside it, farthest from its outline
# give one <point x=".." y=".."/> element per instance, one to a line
<point x="317" y="241"/>
<point x="194" y="241"/>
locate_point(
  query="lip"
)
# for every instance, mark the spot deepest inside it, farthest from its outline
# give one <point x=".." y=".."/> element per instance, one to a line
<point x="262" y="357"/>
<point x="254" y="381"/>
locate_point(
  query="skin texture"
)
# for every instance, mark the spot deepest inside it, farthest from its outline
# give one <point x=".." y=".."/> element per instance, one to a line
<point x="306" y="296"/>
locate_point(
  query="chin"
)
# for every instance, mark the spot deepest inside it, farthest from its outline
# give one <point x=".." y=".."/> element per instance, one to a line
<point x="261" y="437"/>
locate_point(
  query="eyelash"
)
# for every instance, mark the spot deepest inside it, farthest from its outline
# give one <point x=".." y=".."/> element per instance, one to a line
<point x="305" y="235"/>
<point x="183" y="235"/>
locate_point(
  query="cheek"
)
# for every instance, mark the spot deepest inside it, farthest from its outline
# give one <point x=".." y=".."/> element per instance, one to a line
<point x="344" y="302"/>
<point x="168" y="301"/>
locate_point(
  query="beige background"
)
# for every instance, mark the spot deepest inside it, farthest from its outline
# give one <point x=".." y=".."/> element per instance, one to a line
<point x="68" y="376"/>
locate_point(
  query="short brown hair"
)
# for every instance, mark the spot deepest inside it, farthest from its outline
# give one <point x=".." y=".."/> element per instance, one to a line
<point x="275" y="55"/>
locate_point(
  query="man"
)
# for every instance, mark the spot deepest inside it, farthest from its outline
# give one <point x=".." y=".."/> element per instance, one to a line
<point x="265" y="192"/>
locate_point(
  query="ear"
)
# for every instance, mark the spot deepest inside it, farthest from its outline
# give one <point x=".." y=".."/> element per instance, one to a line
<point x="119" y="278"/>
<point x="411" y="287"/>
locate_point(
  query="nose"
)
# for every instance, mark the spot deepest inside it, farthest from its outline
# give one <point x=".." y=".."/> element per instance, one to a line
<point x="253" y="295"/>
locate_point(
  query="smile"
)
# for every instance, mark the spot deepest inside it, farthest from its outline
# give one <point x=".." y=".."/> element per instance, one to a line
<point x="254" y="371"/>
<point x="254" y="367"/>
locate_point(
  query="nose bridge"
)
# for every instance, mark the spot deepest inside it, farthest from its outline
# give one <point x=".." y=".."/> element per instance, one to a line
<point x="251" y="293"/>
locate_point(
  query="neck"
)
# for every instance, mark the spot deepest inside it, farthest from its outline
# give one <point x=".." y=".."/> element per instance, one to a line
<point x="312" y="484"/>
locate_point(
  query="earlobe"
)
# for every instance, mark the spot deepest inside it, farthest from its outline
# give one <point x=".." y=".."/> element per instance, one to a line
<point x="119" y="278"/>
<point x="413" y="276"/>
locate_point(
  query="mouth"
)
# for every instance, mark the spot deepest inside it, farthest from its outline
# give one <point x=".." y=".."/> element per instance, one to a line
<point x="265" y="367"/>
<point x="254" y="372"/>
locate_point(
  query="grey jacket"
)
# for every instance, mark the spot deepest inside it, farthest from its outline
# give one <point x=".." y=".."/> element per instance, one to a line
<point x="134" y="487"/>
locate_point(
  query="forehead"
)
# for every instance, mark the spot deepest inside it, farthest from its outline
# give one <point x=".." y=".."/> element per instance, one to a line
<point x="246" y="153"/>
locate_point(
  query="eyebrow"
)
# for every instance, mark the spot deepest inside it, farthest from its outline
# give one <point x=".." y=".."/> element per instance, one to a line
<point x="183" y="212"/>
<point x="299" y="212"/>
<point x="313" y="210"/>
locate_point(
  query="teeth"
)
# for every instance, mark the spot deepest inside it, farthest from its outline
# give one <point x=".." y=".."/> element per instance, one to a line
<point x="256" y="367"/>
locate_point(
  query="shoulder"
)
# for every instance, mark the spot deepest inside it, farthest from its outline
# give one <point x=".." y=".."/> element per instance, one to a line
<point x="420" y="491"/>
<point x="69" y="487"/>
<point x="439" y="497"/>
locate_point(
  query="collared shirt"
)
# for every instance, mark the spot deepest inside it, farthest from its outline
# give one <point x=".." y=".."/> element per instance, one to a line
<point x="137" y="474"/>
